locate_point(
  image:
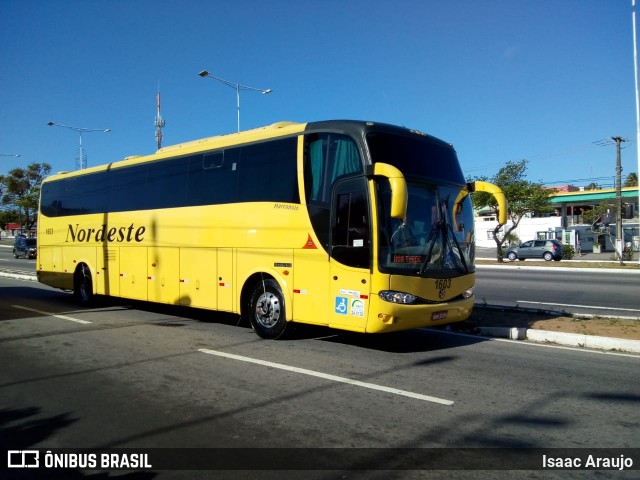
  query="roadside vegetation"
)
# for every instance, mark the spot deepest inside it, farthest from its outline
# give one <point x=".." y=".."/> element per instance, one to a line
<point x="523" y="198"/>
<point x="20" y="193"/>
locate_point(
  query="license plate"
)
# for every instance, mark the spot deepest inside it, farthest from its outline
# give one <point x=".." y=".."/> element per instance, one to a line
<point x="439" y="315"/>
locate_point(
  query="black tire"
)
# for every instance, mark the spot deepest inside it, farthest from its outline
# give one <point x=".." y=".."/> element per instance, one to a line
<point x="266" y="309"/>
<point x="83" y="284"/>
<point x="548" y="256"/>
<point x="512" y="256"/>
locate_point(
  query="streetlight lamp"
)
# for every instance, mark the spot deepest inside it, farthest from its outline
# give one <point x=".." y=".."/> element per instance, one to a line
<point x="82" y="158"/>
<point x="10" y="155"/>
<point x="237" y="87"/>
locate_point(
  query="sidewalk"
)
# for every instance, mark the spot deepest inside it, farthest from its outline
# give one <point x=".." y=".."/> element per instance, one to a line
<point x="608" y="256"/>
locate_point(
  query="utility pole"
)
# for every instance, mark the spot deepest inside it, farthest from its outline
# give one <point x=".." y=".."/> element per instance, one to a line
<point x="619" y="232"/>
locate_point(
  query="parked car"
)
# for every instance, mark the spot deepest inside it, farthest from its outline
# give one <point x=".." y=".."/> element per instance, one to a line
<point x="546" y="249"/>
<point x="26" y="247"/>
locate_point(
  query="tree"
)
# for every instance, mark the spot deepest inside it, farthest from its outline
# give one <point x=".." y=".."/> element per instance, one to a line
<point x="8" y="216"/>
<point x="631" y="180"/>
<point x="20" y="190"/>
<point x="523" y="198"/>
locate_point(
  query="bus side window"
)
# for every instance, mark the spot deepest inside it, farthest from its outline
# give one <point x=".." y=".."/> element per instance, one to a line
<point x="328" y="157"/>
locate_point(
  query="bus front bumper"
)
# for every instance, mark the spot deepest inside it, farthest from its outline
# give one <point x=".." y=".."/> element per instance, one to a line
<point x="392" y="317"/>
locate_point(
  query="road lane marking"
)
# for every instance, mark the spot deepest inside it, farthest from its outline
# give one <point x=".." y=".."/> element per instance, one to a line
<point x="327" y="376"/>
<point x="50" y="314"/>
<point x="580" y="306"/>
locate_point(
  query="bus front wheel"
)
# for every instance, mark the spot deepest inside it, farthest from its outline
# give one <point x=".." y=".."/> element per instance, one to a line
<point x="82" y="284"/>
<point x="267" y="309"/>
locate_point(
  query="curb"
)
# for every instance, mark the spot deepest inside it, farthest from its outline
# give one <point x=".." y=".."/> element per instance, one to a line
<point x="560" y="338"/>
<point x="634" y="271"/>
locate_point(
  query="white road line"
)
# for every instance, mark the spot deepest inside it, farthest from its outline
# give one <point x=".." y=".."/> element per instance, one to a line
<point x="49" y="314"/>
<point x="327" y="376"/>
<point x="580" y="306"/>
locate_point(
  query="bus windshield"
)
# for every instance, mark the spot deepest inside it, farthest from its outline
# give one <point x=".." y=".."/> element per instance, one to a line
<point x="437" y="237"/>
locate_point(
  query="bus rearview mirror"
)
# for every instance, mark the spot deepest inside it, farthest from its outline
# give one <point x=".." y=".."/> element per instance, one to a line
<point x="399" y="193"/>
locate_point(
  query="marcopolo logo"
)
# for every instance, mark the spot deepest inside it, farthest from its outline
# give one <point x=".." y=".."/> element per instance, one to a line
<point x="105" y="234"/>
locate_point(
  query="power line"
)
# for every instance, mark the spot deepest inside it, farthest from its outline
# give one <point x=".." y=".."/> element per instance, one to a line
<point x="605" y="142"/>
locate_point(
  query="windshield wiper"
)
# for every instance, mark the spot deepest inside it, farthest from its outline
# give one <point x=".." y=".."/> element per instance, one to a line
<point x="451" y="236"/>
<point x="431" y="243"/>
<point x="450" y="245"/>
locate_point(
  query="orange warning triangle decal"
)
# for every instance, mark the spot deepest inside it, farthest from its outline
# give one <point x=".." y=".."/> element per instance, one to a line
<point x="309" y="243"/>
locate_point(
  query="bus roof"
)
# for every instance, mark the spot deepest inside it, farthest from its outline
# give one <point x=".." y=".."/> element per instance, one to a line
<point x="279" y="129"/>
<point x="247" y="136"/>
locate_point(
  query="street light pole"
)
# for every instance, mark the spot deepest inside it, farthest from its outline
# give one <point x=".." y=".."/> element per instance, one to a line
<point x="82" y="160"/>
<point x="635" y="71"/>
<point x="10" y="155"/>
<point x="237" y="87"/>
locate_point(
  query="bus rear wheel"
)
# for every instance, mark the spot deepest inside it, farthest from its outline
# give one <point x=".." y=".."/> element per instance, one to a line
<point x="267" y="310"/>
<point x="82" y="284"/>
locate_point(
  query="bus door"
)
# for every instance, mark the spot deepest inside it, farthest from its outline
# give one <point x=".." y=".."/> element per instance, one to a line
<point x="350" y="268"/>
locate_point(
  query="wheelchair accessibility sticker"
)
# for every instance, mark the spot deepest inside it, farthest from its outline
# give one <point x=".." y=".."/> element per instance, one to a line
<point x="342" y="305"/>
<point x="349" y="306"/>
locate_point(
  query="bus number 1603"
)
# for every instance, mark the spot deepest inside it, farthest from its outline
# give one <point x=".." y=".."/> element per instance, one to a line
<point x="443" y="283"/>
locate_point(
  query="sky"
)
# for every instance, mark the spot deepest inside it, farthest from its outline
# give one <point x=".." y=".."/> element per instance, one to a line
<point x="549" y="81"/>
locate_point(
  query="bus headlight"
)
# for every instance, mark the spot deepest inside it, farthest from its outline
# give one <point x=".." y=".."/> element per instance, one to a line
<point x="468" y="293"/>
<point x="397" y="297"/>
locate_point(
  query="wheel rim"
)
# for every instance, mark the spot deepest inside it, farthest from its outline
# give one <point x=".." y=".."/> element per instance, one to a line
<point x="267" y="311"/>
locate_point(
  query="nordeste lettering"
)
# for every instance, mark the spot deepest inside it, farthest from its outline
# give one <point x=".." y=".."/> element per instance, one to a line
<point x="105" y="234"/>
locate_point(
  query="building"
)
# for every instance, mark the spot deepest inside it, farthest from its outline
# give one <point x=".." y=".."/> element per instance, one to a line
<point x="570" y="205"/>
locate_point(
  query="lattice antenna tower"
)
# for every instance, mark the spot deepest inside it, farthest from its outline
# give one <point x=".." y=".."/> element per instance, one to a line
<point x="159" y="122"/>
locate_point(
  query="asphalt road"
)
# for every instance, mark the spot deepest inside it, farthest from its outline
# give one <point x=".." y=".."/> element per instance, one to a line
<point x="131" y="375"/>
<point x="600" y="292"/>
<point x="10" y="264"/>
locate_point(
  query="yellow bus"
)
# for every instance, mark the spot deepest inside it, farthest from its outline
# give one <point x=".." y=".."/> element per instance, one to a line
<point x="358" y="226"/>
